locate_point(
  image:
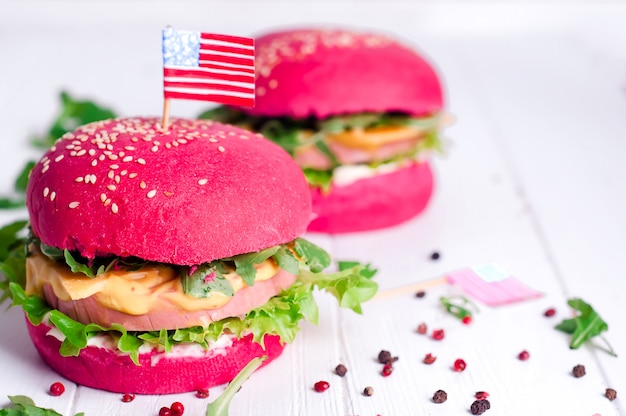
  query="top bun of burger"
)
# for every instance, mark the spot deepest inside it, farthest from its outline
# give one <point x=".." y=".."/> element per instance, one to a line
<point x="163" y="261"/>
<point x="321" y="73"/>
<point x="194" y="193"/>
<point x="359" y="112"/>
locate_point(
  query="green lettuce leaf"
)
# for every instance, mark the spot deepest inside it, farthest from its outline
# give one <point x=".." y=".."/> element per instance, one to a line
<point x="12" y="257"/>
<point x="219" y="407"/>
<point x="25" y="406"/>
<point x="244" y="263"/>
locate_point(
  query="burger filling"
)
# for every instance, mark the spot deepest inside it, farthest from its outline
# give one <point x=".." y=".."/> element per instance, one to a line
<point x="320" y="146"/>
<point x="42" y="278"/>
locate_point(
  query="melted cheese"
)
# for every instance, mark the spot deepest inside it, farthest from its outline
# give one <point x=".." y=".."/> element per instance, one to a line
<point x="375" y="137"/>
<point x="134" y="293"/>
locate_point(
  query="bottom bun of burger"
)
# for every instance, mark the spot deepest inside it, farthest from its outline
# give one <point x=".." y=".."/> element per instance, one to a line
<point x="184" y="369"/>
<point x="375" y="202"/>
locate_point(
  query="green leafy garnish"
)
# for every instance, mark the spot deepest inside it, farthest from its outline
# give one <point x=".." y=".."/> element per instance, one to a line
<point x="12" y="257"/>
<point x="90" y="270"/>
<point x="459" y="306"/>
<point x="74" y="113"/>
<point x="219" y="407"/>
<point x="316" y="258"/>
<point x="205" y="280"/>
<point x="366" y="271"/>
<point x="25" y="406"/>
<point x="244" y="263"/>
<point x="586" y="325"/>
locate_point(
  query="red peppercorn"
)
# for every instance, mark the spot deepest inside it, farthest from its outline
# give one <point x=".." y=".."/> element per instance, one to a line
<point x="165" y="411"/>
<point x="523" y="356"/>
<point x="429" y="358"/>
<point x="321" y="386"/>
<point x="57" y="389"/>
<point x="438" y="334"/>
<point x="422" y="328"/>
<point x="459" y="365"/>
<point x="387" y="370"/>
<point x="177" y="409"/>
<point x="202" y="394"/>
<point x="128" y="397"/>
<point x="467" y="319"/>
<point x="549" y="312"/>
<point x="481" y="395"/>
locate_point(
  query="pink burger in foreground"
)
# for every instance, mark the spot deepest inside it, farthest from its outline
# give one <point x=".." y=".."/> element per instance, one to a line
<point x="359" y="112"/>
<point x="165" y="261"/>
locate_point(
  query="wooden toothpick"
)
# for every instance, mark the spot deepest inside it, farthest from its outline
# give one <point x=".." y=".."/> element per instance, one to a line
<point x="415" y="287"/>
<point x="166" y="114"/>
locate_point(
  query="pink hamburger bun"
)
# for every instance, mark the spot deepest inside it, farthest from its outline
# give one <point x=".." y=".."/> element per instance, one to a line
<point x="197" y="192"/>
<point x="323" y="73"/>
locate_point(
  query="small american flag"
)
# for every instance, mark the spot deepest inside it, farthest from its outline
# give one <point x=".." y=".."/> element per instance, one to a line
<point x="208" y="67"/>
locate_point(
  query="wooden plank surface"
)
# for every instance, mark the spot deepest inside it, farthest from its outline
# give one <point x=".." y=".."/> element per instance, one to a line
<point x="534" y="180"/>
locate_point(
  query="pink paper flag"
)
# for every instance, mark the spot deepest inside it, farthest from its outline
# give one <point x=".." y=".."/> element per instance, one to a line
<point x="491" y="285"/>
<point x="208" y="67"/>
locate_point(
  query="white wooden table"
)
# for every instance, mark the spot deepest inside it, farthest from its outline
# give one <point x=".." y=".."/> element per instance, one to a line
<point x="535" y="180"/>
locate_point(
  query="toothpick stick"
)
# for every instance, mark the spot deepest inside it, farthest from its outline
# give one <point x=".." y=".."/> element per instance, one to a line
<point x="415" y="287"/>
<point x="166" y="113"/>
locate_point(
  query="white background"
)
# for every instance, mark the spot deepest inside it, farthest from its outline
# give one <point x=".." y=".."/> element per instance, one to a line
<point x="534" y="180"/>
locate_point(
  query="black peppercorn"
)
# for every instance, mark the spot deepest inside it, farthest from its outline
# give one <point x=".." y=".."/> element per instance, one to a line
<point x="480" y="406"/>
<point x="578" y="371"/>
<point x="435" y="255"/>
<point x="610" y="394"/>
<point x="384" y="357"/>
<point x="341" y="370"/>
<point x="440" y="396"/>
<point x="368" y="391"/>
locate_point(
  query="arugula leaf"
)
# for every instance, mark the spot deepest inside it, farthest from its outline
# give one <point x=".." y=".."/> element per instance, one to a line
<point x="219" y="407"/>
<point x="22" y="180"/>
<point x="459" y="306"/>
<point x="586" y="325"/>
<point x="20" y="188"/>
<point x="93" y="270"/>
<point x="74" y="113"/>
<point x="315" y="257"/>
<point x="204" y="280"/>
<point x="25" y="406"/>
<point x="319" y="178"/>
<point x="244" y="263"/>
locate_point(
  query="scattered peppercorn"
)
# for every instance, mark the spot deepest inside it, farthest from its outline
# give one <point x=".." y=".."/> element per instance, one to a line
<point x="387" y="370"/>
<point x="368" y="391"/>
<point x="422" y="328"/>
<point x="177" y="409"/>
<point x="435" y="255"/>
<point x="202" y="394"/>
<point x="384" y="357"/>
<point x="578" y="371"/>
<point x="459" y="365"/>
<point x="549" y="312"/>
<point x="480" y="406"/>
<point x="610" y="394"/>
<point x="440" y="396"/>
<point x="420" y="294"/>
<point x="481" y="395"/>
<point x="57" y="389"/>
<point x="438" y="334"/>
<point x="128" y="397"/>
<point x="321" y="386"/>
<point x="523" y="356"/>
<point x="467" y="319"/>
<point x="341" y="370"/>
<point x="429" y="358"/>
<point x="165" y="411"/>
